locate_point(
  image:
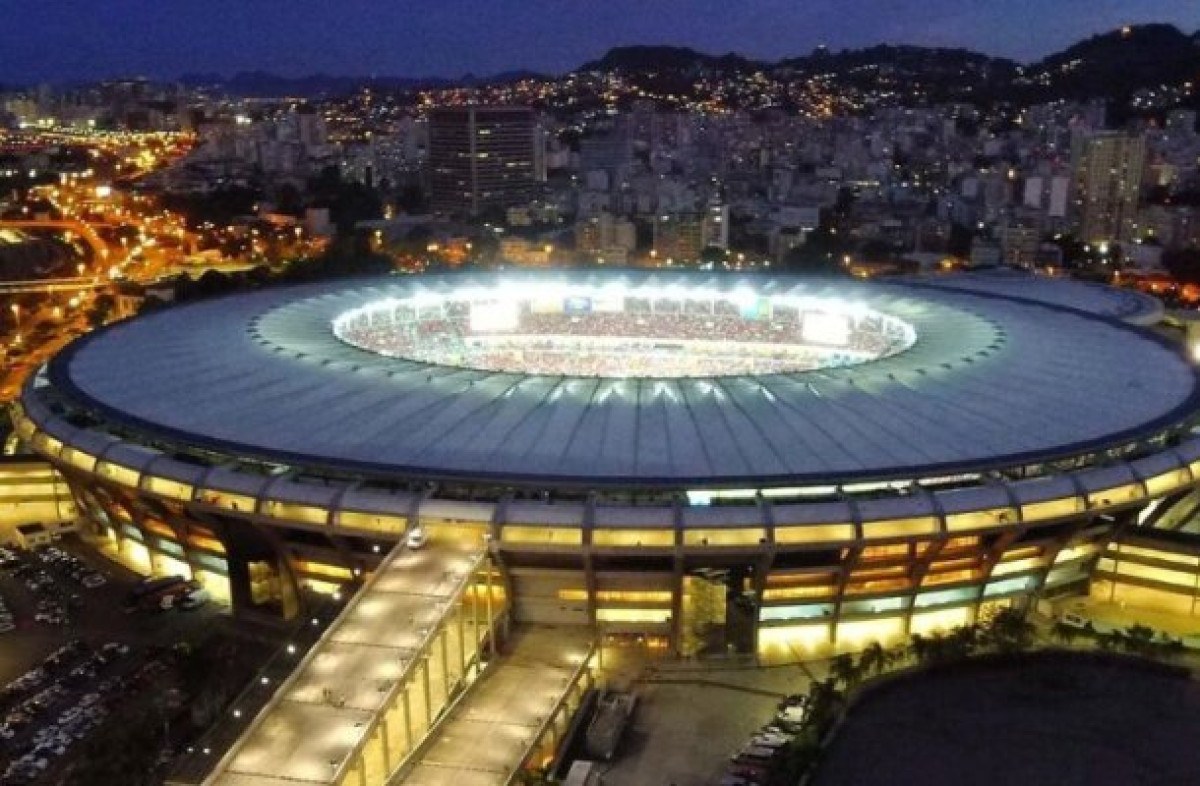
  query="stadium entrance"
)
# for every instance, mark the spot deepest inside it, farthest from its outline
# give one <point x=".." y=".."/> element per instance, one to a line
<point x="718" y="618"/>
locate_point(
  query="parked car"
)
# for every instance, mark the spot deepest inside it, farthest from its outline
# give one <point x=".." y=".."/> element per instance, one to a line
<point x="93" y="580"/>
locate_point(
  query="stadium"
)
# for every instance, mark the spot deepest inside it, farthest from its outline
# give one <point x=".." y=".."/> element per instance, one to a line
<point x="698" y="462"/>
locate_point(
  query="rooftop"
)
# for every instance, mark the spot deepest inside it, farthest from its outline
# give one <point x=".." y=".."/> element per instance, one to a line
<point x="1000" y="374"/>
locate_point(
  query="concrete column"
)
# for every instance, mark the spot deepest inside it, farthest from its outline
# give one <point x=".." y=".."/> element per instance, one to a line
<point x="425" y="686"/>
<point x="408" y="730"/>
<point x="462" y="640"/>
<point x="383" y="737"/>
<point x="443" y="639"/>
<point x="491" y="617"/>
<point x="475" y="630"/>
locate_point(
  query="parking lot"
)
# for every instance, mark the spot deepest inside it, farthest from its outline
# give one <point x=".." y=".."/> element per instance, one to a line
<point x="73" y="663"/>
<point x="692" y="717"/>
<point x="87" y="613"/>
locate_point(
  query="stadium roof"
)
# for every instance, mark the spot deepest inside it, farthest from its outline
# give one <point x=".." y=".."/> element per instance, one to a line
<point x="992" y="381"/>
<point x="1136" y="308"/>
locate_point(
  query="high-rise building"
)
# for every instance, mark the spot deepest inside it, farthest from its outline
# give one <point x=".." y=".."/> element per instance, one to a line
<point x="605" y="236"/>
<point x="1019" y="245"/>
<point x="1108" y="180"/>
<point x="309" y="127"/>
<point x="679" y="237"/>
<point x="480" y="157"/>
<point x="716" y="225"/>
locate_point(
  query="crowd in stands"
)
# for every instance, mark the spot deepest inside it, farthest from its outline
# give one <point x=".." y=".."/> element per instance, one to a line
<point x="639" y="342"/>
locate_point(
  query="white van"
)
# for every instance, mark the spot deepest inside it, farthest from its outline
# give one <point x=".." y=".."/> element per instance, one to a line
<point x="584" y="773"/>
<point x="417" y="538"/>
<point x="195" y="599"/>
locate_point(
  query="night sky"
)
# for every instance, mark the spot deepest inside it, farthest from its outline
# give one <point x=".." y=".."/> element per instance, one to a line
<point x="57" y="40"/>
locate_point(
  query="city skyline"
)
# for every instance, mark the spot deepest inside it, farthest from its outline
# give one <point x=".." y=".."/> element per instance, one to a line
<point x="403" y="394"/>
<point x="360" y="38"/>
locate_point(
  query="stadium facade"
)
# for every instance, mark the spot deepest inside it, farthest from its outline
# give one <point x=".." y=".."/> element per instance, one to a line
<point x="881" y="459"/>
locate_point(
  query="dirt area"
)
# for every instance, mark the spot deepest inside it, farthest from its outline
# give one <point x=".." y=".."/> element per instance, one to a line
<point x="1063" y="719"/>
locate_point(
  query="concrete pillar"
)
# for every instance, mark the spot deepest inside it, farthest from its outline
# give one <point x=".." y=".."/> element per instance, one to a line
<point x="408" y="730"/>
<point x="462" y="640"/>
<point x="383" y="738"/>
<point x="475" y="631"/>
<point x="443" y="639"/>
<point x="425" y="686"/>
<point x="491" y="617"/>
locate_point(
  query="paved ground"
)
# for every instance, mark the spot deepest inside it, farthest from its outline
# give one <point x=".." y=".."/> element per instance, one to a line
<point x="1068" y="722"/>
<point x="693" y="716"/>
<point x="1119" y="615"/>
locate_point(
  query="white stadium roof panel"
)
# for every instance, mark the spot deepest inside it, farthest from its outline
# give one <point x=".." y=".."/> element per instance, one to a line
<point x="1000" y="374"/>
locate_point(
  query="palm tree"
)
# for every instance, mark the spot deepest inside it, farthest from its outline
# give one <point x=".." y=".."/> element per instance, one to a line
<point x="1109" y="641"/>
<point x="918" y="648"/>
<point x="1008" y="630"/>
<point x="1138" y="639"/>
<point x="938" y="648"/>
<point x="962" y="641"/>
<point x="843" y="669"/>
<point x="1063" y="633"/>
<point x="1172" y="649"/>
<point x="872" y="659"/>
<point x="823" y="702"/>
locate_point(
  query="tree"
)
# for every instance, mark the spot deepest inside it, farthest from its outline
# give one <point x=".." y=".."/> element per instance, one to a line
<point x="873" y="659"/>
<point x="1138" y="640"/>
<point x="1172" y="649"/>
<point x="712" y="255"/>
<point x="918" y="647"/>
<point x="962" y="641"/>
<point x="102" y="307"/>
<point x="348" y="202"/>
<point x="844" y="670"/>
<point x="938" y="648"/>
<point x="959" y="242"/>
<point x="1008" y="631"/>
<point x="289" y="200"/>
<point x="123" y="751"/>
<point x="819" y="255"/>
<point x="1183" y="264"/>
<point x="824" y="700"/>
<point x="1063" y="633"/>
<point x="1109" y="641"/>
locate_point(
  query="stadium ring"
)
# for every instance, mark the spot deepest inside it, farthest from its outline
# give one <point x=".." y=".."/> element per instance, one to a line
<point x="987" y="463"/>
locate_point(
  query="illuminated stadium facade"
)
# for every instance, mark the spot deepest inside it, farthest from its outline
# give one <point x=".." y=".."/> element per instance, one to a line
<point x="701" y="460"/>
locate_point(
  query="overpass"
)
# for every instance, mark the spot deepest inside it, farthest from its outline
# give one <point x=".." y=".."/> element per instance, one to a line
<point x="95" y="242"/>
<point x="368" y="692"/>
<point x="514" y="717"/>
<point x="49" y="285"/>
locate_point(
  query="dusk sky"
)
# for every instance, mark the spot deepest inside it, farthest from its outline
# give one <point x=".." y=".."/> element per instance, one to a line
<point x="81" y="39"/>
